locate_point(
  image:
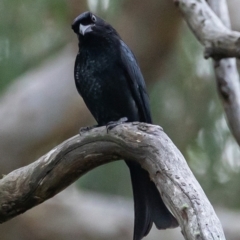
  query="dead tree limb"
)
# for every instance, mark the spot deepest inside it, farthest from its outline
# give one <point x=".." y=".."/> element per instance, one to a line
<point x="227" y="76"/>
<point x="212" y="28"/>
<point x="218" y="40"/>
<point x="144" y="143"/>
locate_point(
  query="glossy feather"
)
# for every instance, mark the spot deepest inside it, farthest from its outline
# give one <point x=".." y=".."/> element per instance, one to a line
<point x="108" y="78"/>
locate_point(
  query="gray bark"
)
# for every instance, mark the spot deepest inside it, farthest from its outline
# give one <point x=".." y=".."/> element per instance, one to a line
<point x="218" y="40"/>
<point x="146" y="144"/>
<point x="212" y="29"/>
<point x="227" y="76"/>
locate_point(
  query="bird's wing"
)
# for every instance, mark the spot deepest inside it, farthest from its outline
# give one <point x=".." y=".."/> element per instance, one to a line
<point x="136" y="82"/>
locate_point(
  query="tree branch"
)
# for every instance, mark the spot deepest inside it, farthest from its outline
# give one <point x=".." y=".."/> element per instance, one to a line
<point x="144" y="143"/>
<point x="227" y="76"/>
<point x="213" y="31"/>
<point x="218" y="40"/>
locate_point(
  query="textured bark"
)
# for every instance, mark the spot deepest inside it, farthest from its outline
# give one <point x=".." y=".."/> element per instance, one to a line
<point x="146" y="144"/>
<point x="227" y="76"/>
<point x="213" y="31"/>
<point x="218" y="40"/>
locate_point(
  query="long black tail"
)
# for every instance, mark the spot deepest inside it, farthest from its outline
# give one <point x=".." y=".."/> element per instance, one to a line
<point x="148" y="204"/>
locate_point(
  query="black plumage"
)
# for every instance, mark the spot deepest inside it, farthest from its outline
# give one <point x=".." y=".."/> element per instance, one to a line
<point x="111" y="84"/>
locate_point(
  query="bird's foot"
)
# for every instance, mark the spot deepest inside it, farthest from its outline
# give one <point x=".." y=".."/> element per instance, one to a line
<point x="83" y="130"/>
<point x="113" y="124"/>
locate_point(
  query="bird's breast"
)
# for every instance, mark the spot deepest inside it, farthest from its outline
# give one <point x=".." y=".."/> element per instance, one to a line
<point x="103" y="85"/>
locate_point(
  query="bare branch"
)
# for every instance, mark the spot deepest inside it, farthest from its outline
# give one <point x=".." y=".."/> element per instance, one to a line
<point x="218" y="40"/>
<point x="227" y="76"/>
<point x="144" y="143"/>
<point x="213" y="31"/>
<point x="219" y="7"/>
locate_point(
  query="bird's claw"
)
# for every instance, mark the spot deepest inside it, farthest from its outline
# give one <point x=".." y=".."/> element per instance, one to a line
<point x="83" y="130"/>
<point x="113" y="124"/>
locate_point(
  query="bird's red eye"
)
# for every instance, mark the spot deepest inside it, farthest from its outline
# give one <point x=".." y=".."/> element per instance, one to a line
<point x="94" y="19"/>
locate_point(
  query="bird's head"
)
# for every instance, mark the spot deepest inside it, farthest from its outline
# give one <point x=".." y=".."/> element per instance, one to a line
<point x="88" y="23"/>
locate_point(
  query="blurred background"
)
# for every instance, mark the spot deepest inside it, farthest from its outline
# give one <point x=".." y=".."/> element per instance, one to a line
<point x="40" y="108"/>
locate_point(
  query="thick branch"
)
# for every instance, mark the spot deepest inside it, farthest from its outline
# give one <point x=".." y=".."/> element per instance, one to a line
<point x="144" y="143"/>
<point x="218" y="40"/>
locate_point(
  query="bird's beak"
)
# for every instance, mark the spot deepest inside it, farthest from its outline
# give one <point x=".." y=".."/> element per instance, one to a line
<point x="85" y="29"/>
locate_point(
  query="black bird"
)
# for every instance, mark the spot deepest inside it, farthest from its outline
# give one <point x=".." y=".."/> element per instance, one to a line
<point x="110" y="82"/>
